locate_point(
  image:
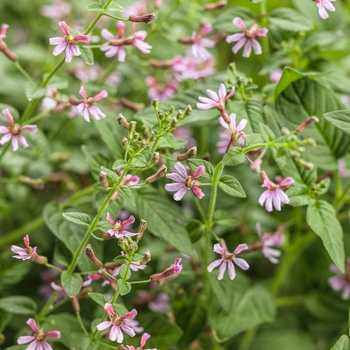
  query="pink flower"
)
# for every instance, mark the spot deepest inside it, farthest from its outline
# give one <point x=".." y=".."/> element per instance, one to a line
<point x="87" y="107"/>
<point x="227" y="139"/>
<point x="117" y="324"/>
<point x="226" y="261"/>
<point x="67" y="42"/>
<point x="144" y="338"/>
<point x="174" y="269"/>
<point x="118" y="229"/>
<point x="155" y="302"/>
<point x="342" y="169"/>
<point x="271" y="240"/>
<point x="24" y="253"/>
<point x="85" y="73"/>
<point x="216" y="99"/>
<point x="324" y="5"/>
<point x="276" y="75"/>
<point x="58" y="10"/>
<point x="112" y="50"/>
<point x="199" y="43"/>
<point x="139" y="38"/>
<point x="128" y="180"/>
<point x="38" y="340"/>
<point x="3" y="32"/>
<point x="341" y="281"/>
<point x="13" y="132"/>
<point x="247" y="38"/>
<point x="184" y="182"/>
<point x="274" y="195"/>
<point x="161" y="91"/>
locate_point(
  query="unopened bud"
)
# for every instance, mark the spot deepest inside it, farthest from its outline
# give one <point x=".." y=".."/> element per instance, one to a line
<point x="161" y="115"/>
<point x="106" y="236"/>
<point x="215" y="5"/>
<point x="148" y="17"/>
<point x="125" y="142"/>
<point x="38" y="184"/>
<point x="146" y="258"/>
<point x="191" y="153"/>
<point x="103" y="179"/>
<point x="154" y="160"/>
<point x="174" y="269"/>
<point x="179" y="115"/>
<point x="160" y="173"/>
<point x="171" y="109"/>
<point x="132" y="105"/>
<point x="240" y="81"/>
<point x="75" y="304"/>
<point x="263" y="176"/>
<point x="136" y="136"/>
<point x="295" y="154"/>
<point x="152" y="137"/>
<point x="7" y="52"/>
<point x="309" y="142"/>
<point x="187" y="112"/>
<point x="38" y="259"/>
<point x="307" y="122"/>
<point x="122" y="347"/>
<point x="75" y="101"/>
<point x="285" y="131"/>
<point x="142" y="228"/>
<point x="155" y="104"/>
<point x="123" y="122"/>
<point x="91" y="255"/>
<point x="131" y="130"/>
<point x="301" y="149"/>
<point x="174" y="122"/>
<point x="306" y="165"/>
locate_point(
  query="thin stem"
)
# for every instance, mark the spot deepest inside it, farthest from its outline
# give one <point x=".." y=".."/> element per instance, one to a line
<point x="265" y="42"/>
<point x="145" y="281"/>
<point x="53" y="267"/>
<point x="116" y="17"/>
<point x="48" y="304"/>
<point x="81" y="323"/>
<point x="98" y="17"/>
<point x="339" y="203"/>
<point x="38" y="117"/>
<point x="23" y="71"/>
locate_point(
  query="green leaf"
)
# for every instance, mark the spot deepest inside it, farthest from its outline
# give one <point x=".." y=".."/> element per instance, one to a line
<point x="322" y="219"/>
<point x="195" y="163"/>
<point x="110" y="173"/>
<point x="196" y="230"/>
<point x="18" y="305"/>
<point x="167" y="141"/>
<point x="288" y="19"/>
<point x="124" y="272"/>
<point x="99" y="298"/>
<point x="224" y="218"/>
<point x="341" y="119"/>
<point x="87" y="55"/>
<point x="119" y="164"/>
<point x="233" y="157"/>
<point x="231" y="186"/>
<point x="57" y="82"/>
<point x="299" y="195"/>
<point x="78" y="218"/>
<point x="94" y="160"/>
<point x="163" y="217"/>
<point x="121" y="259"/>
<point x="95" y="7"/>
<point x="114" y="7"/>
<point x="342" y="343"/>
<point x="252" y="140"/>
<point x="139" y="161"/>
<point x="127" y="194"/>
<point x="123" y="287"/>
<point x="5" y="318"/>
<point x="12" y="271"/>
<point x="34" y="91"/>
<point x="71" y="283"/>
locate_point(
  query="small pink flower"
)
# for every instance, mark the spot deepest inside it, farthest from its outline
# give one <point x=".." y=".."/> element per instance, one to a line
<point x="226" y="261"/>
<point x="88" y="106"/>
<point x="58" y="10"/>
<point x="3" y="32"/>
<point x="24" y="253"/>
<point x="184" y="182"/>
<point x="112" y="50"/>
<point x="174" y="269"/>
<point x="274" y="195"/>
<point x="227" y="140"/>
<point x="247" y="38"/>
<point x="155" y="302"/>
<point x="144" y="338"/>
<point x="161" y="91"/>
<point x="38" y="340"/>
<point x="85" y="73"/>
<point x="128" y="180"/>
<point x="216" y="99"/>
<point x="199" y="43"/>
<point x="341" y="281"/>
<point x="117" y="324"/>
<point x="276" y="75"/>
<point x="139" y="38"/>
<point x="342" y="169"/>
<point x="67" y="42"/>
<point x="14" y="131"/>
<point x="324" y="5"/>
<point x="118" y="229"/>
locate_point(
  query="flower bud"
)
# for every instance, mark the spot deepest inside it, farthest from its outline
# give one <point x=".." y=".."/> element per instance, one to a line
<point x="306" y="165"/>
<point x="75" y="305"/>
<point x="146" y="258"/>
<point x="263" y="176"/>
<point x="103" y="179"/>
<point x="173" y="122"/>
<point x="122" y="347"/>
<point x="306" y="123"/>
<point x="38" y="259"/>
<point x="174" y="269"/>
<point x="154" y="160"/>
<point x="125" y="142"/>
<point x="191" y="153"/>
<point x="38" y="184"/>
<point x="142" y="228"/>
<point x="7" y="52"/>
<point x="161" y="115"/>
<point x="148" y="17"/>
<point x="136" y="136"/>
<point x="111" y="265"/>
<point x="215" y="5"/>
<point x="75" y="101"/>
<point x="309" y="142"/>
<point x="171" y="109"/>
<point x="131" y="129"/>
<point x="179" y="115"/>
<point x="285" y="131"/>
<point x="91" y="255"/>
<point x="160" y="173"/>
<point x="187" y="112"/>
<point x="155" y="104"/>
<point x="123" y="122"/>
<point x="127" y="244"/>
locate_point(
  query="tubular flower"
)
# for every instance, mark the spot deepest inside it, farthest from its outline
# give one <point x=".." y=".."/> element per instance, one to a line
<point x="119" y="226"/>
<point x="323" y="6"/>
<point x="13" y="132"/>
<point x="227" y="260"/>
<point x="112" y="50"/>
<point x="117" y="324"/>
<point x="247" y="38"/>
<point x="144" y="338"/>
<point x="184" y="182"/>
<point x="3" y="32"/>
<point x="24" y="253"/>
<point x="38" y="340"/>
<point x="87" y="107"/>
<point x="174" y="269"/>
<point x="274" y="196"/>
<point x="341" y="281"/>
<point x="68" y="42"/>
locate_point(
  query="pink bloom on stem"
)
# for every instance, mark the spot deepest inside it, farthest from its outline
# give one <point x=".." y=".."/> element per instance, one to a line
<point x="24" y="253"/>
<point x="341" y="281"/>
<point x="139" y="38"/>
<point x="58" y="10"/>
<point x="227" y="139"/>
<point x="13" y="132"/>
<point x="128" y="180"/>
<point x="274" y="196"/>
<point x="216" y="99"/>
<point x="112" y="50"/>
<point x="119" y="226"/>
<point x="184" y="182"/>
<point x="247" y="38"/>
<point x="227" y="260"/>
<point x="87" y="107"/>
<point x="161" y="91"/>
<point x="67" y="42"/>
<point x="38" y="340"/>
<point x="199" y="43"/>
<point x="324" y="5"/>
<point x="3" y="32"/>
<point x="144" y="338"/>
<point x="117" y="324"/>
<point x="174" y="269"/>
<point x="276" y="75"/>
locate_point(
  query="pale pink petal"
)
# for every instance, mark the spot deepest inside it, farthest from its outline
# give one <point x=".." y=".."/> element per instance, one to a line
<point x="256" y="46"/>
<point x="247" y="48"/>
<point x="179" y="195"/>
<point x="213" y="95"/>
<point x="222" y="91"/>
<point x="180" y="169"/>
<point x="86" y="115"/>
<point x="287" y="181"/>
<point x="144" y="338"/>
<point x="64" y="27"/>
<point x="234" y="37"/>
<point x="346" y="292"/>
<point x="59" y="48"/>
<point x="25" y="339"/>
<point x="128" y="330"/>
<point x="110" y="219"/>
<point x="129" y="221"/>
<point x="14" y="143"/>
<point x="107" y="34"/>
<point x="103" y="325"/>
<point x="240" y="248"/>
<point x="96" y="113"/>
<point x="82" y="38"/>
<point x="22" y="140"/>
<point x="276" y="201"/>
<point x="121" y="54"/>
<point x="175" y="177"/>
<point x="222" y="270"/>
<point x="241" y="263"/>
<point x="237" y="21"/>
<point x="33" y="345"/>
<point x="56" y="40"/>
<point x="30" y="128"/>
<point x="32" y="324"/>
<point x="260" y="32"/>
<point x="322" y="12"/>
<point x="198" y="192"/>
<point x="4" y="130"/>
<point x="239" y="45"/>
<point x="214" y="264"/>
<point x="242" y="124"/>
<point x="174" y="187"/>
<point x="199" y="172"/>
<point x="218" y="249"/>
<point x="231" y="270"/>
<point x="109" y="309"/>
<point x="116" y="334"/>
<point x="69" y="53"/>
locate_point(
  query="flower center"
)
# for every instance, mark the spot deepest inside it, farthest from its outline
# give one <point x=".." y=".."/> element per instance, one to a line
<point x="89" y="102"/>
<point x="248" y="34"/>
<point x="228" y="256"/>
<point x="189" y="182"/>
<point x="117" y="320"/>
<point x="15" y="129"/>
<point x="39" y="336"/>
<point x="69" y="39"/>
<point x="118" y="226"/>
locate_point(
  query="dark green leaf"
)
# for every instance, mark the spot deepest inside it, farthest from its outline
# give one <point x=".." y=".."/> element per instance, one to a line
<point x="78" y="218"/>
<point x="119" y="164"/>
<point x="233" y="157"/>
<point x="231" y="186"/>
<point x="123" y="287"/>
<point x="139" y="161"/>
<point x="127" y="194"/>
<point x="110" y="173"/>
<point x="252" y="140"/>
<point x="121" y="259"/>
<point x="299" y="195"/>
<point x="196" y="230"/>
<point x="99" y="298"/>
<point x="124" y="272"/>
<point x="224" y="218"/>
<point x="18" y="305"/>
<point x="288" y="19"/>
<point x="71" y="283"/>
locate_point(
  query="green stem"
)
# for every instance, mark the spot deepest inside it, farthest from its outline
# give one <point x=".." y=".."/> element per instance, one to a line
<point x="22" y="70"/>
<point x="38" y="117"/>
<point x="265" y="42"/>
<point x="145" y="281"/>
<point x="116" y="17"/>
<point x="248" y="338"/>
<point x="53" y="267"/>
<point x="48" y="304"/>
<point x="288" y="301"/>
<point x="98" y="17"/>
<point x="81" y="323"/>
<point x="340" y="201"/>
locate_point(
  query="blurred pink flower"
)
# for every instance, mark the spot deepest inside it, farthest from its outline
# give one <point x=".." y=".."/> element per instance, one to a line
<point x="58" y="10"/>
<point x="161" y="91"/>
<point x="24" y="253"/>
<point x="3" y="32"/>
<point x="117" y="324"/>
<point x="276" y="75"/>
<point x="139" y="38"/>
<point x="67" y="42"/>
<point x="174" y="269"/>
<point x="155" y="302"/>
<point x="199" y="43"/>
<point x="324" y="5"/>
<point x="341" y="281"/>
<point x="85" y="73"/>
<point x="144" y="338"/>
<point x="274" y="196"/>
<point x="13" y="132"/>
<point x="227" y="260"/>
<point x="247" y="38"/>
<point x="184" y="182"/>
<point x="118" y="229"/>
<point x="87" y="107"/>
<point x="342" y="169"/>
<point x="38" y="340"/>
<point x="128" y="180"/>
<point x="138" y="8"/>
<point x="112" y="50"/>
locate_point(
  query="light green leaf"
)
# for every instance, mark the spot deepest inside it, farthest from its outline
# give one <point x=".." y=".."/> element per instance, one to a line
<point x="34" y="91"/>
<point x="233" y="157"/>
<point x="71" y="283"/>
<point x="299" y="195"/>
<point x="224" y="218"/>
<point x="95" y="7"/>
<point x="110" y="173"/>
<point x="114" y="7"/>
<point x="123" y="287"/>
<point x="288" y="19"/>
<point x="252" y="140"/>
<point x="99" y="298"/>
<point x="342" y="343"/>
<point x="127" y="194"/>
<point x="341" y="119"/>
<point x="78" y="218"/>
<point x="124" y="272"/>
<point x="57" y="82"/>
<point x="119" y="164"/>
<point x="87" y="55"/>
<point x="18" y="305"/>
<point x="231" y="186"/>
